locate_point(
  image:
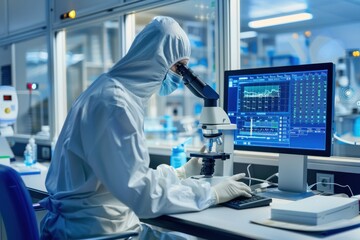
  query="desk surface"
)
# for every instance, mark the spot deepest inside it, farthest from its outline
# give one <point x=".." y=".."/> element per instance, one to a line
<point x="227" y="223"/>
<point x="36" y="181"/>
<point x="219" y="222"/>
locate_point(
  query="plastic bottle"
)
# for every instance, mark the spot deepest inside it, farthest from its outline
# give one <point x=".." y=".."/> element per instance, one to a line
<point x="28" y="155"/>
<point x="356" y="127"/>
<point x="45" y="132"/>
<point x="178" y="155"/>
<point x="33" y="148"/>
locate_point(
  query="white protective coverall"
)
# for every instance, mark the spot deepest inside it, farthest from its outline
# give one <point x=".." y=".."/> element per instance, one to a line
<point x="99" y="180"/>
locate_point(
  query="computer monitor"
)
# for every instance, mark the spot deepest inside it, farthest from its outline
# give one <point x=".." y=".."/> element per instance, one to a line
<point x="286" y="110"/>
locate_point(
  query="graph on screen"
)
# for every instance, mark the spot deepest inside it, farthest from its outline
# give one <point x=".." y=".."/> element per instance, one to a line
<point x="284" y="110"/>
<point x="263" y="130"/>
<point x="264" y="98"/>
<point x="279" y="110"/>
<point x="265" y="91"/>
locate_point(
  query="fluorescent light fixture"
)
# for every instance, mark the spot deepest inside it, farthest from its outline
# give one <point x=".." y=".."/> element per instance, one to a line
<point x="269" y="8"/>
<point x="280" y="20"/>
<point x="249" y="34"/>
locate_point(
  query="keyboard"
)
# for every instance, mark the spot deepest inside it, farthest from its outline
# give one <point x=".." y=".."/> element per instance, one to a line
<point x="245" y="202"/>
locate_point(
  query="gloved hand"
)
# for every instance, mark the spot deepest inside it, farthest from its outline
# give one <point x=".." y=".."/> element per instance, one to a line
<point x="231" y="188"/>
<point x="192" y="167"/>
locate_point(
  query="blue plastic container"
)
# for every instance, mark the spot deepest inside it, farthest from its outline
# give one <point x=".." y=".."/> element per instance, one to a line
<point x="178" y="156"/>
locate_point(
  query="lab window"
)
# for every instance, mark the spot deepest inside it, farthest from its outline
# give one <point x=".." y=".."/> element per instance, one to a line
<point x="181" y="109"/>
<point x="31" y="66"/>
<point x="327" y="37"/>
<point x="90" y="51"/>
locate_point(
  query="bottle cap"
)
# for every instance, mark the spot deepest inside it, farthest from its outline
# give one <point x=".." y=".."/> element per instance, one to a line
<point x="31" y="140"/>
<point x="45" y="128"/>
<point x="178" y="149"/>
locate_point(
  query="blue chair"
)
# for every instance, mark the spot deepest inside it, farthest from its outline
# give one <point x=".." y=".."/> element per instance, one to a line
<point x="18" y="213"/>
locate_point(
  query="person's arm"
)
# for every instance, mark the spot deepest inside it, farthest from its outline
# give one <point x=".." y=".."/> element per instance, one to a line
<point x="119" y="157"/>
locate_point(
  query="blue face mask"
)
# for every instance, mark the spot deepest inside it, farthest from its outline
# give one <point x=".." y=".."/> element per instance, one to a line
<point x="170" y="83"/>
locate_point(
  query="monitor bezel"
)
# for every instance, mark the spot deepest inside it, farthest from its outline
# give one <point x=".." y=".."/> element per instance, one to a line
<point x="330" y="67"/>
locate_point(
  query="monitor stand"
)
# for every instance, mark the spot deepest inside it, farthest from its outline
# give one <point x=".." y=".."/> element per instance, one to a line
<point x="292" y="178"/>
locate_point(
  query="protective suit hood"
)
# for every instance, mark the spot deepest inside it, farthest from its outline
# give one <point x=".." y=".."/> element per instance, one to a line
<point x="155" y="49"/>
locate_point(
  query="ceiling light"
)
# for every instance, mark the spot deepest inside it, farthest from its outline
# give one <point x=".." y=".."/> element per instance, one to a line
<point x="269" y="8"/>
<point x="280" y="20"/>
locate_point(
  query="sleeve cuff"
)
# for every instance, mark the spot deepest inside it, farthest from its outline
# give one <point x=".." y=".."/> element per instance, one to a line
<point x="214" y="196"/>
<point x="180" y="172"/>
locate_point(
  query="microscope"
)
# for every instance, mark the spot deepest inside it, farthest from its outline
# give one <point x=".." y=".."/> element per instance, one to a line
<point x="216" y="128"/>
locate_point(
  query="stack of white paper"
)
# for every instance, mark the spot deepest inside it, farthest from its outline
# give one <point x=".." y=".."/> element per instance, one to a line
<point x="316" y="210"/>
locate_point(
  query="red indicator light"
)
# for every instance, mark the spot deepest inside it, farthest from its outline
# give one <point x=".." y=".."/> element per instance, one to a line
<point x="7" y="97"/>
<point x="32" y="86"/>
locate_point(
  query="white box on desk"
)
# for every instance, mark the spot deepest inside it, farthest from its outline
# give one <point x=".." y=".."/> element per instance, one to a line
<point x="316" y="210"/>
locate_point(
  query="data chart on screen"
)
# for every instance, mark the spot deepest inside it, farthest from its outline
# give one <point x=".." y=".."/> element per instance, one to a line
<point x="279" y="108"/>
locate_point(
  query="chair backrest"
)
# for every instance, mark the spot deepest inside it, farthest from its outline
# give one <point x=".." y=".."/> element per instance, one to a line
<point x="16" y="206"/>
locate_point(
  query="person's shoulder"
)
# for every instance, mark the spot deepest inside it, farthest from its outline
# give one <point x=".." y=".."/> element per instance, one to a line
<point x="113" y="95"/>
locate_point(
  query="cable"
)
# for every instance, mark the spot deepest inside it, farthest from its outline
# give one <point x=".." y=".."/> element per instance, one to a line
<point x="336" y="184"/>
<point x="274" y="175"/>
<point x="259" y="180"/>
<point x="248" y="172"/>
<point x="259" y="187"/>
<point x="267" y="180"/>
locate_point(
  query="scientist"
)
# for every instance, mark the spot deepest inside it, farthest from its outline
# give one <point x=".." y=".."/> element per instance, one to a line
<point x="99" y="180"/>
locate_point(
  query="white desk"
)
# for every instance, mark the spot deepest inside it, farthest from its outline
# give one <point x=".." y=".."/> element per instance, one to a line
<point x="36" y="182"/>
<point x="226" y="223"/>
<point x="218" y="222"/>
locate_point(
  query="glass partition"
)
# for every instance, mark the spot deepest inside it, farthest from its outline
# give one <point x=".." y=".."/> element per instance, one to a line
<point x="31" y="67"/>
<point x="90" y="51"/>
<point x="181" y="109"/>
<point x="326" y="35"/>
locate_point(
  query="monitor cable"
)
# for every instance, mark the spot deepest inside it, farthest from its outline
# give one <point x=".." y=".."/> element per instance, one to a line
<point x="336" y="184"/>
<point x="264" y="184"/>
<point x="248" y="172"/>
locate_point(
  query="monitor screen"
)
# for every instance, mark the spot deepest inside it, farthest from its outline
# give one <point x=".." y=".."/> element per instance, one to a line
<point x="282" y="109"/>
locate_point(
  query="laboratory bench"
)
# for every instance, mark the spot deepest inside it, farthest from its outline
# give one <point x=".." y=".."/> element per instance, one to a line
<point x="225" y="223"/>
<point x="214" y="223"/>
<point x="346" y="170"/>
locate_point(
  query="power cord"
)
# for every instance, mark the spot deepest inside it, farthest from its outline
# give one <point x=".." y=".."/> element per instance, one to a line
<point x="248" y="172"/>
<point x="272" y="176"/>
<point x="267" y="180"/>
<point x="336" y="184"/>
<point x="263" y="183"/>
<point x="259" y="180"/>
